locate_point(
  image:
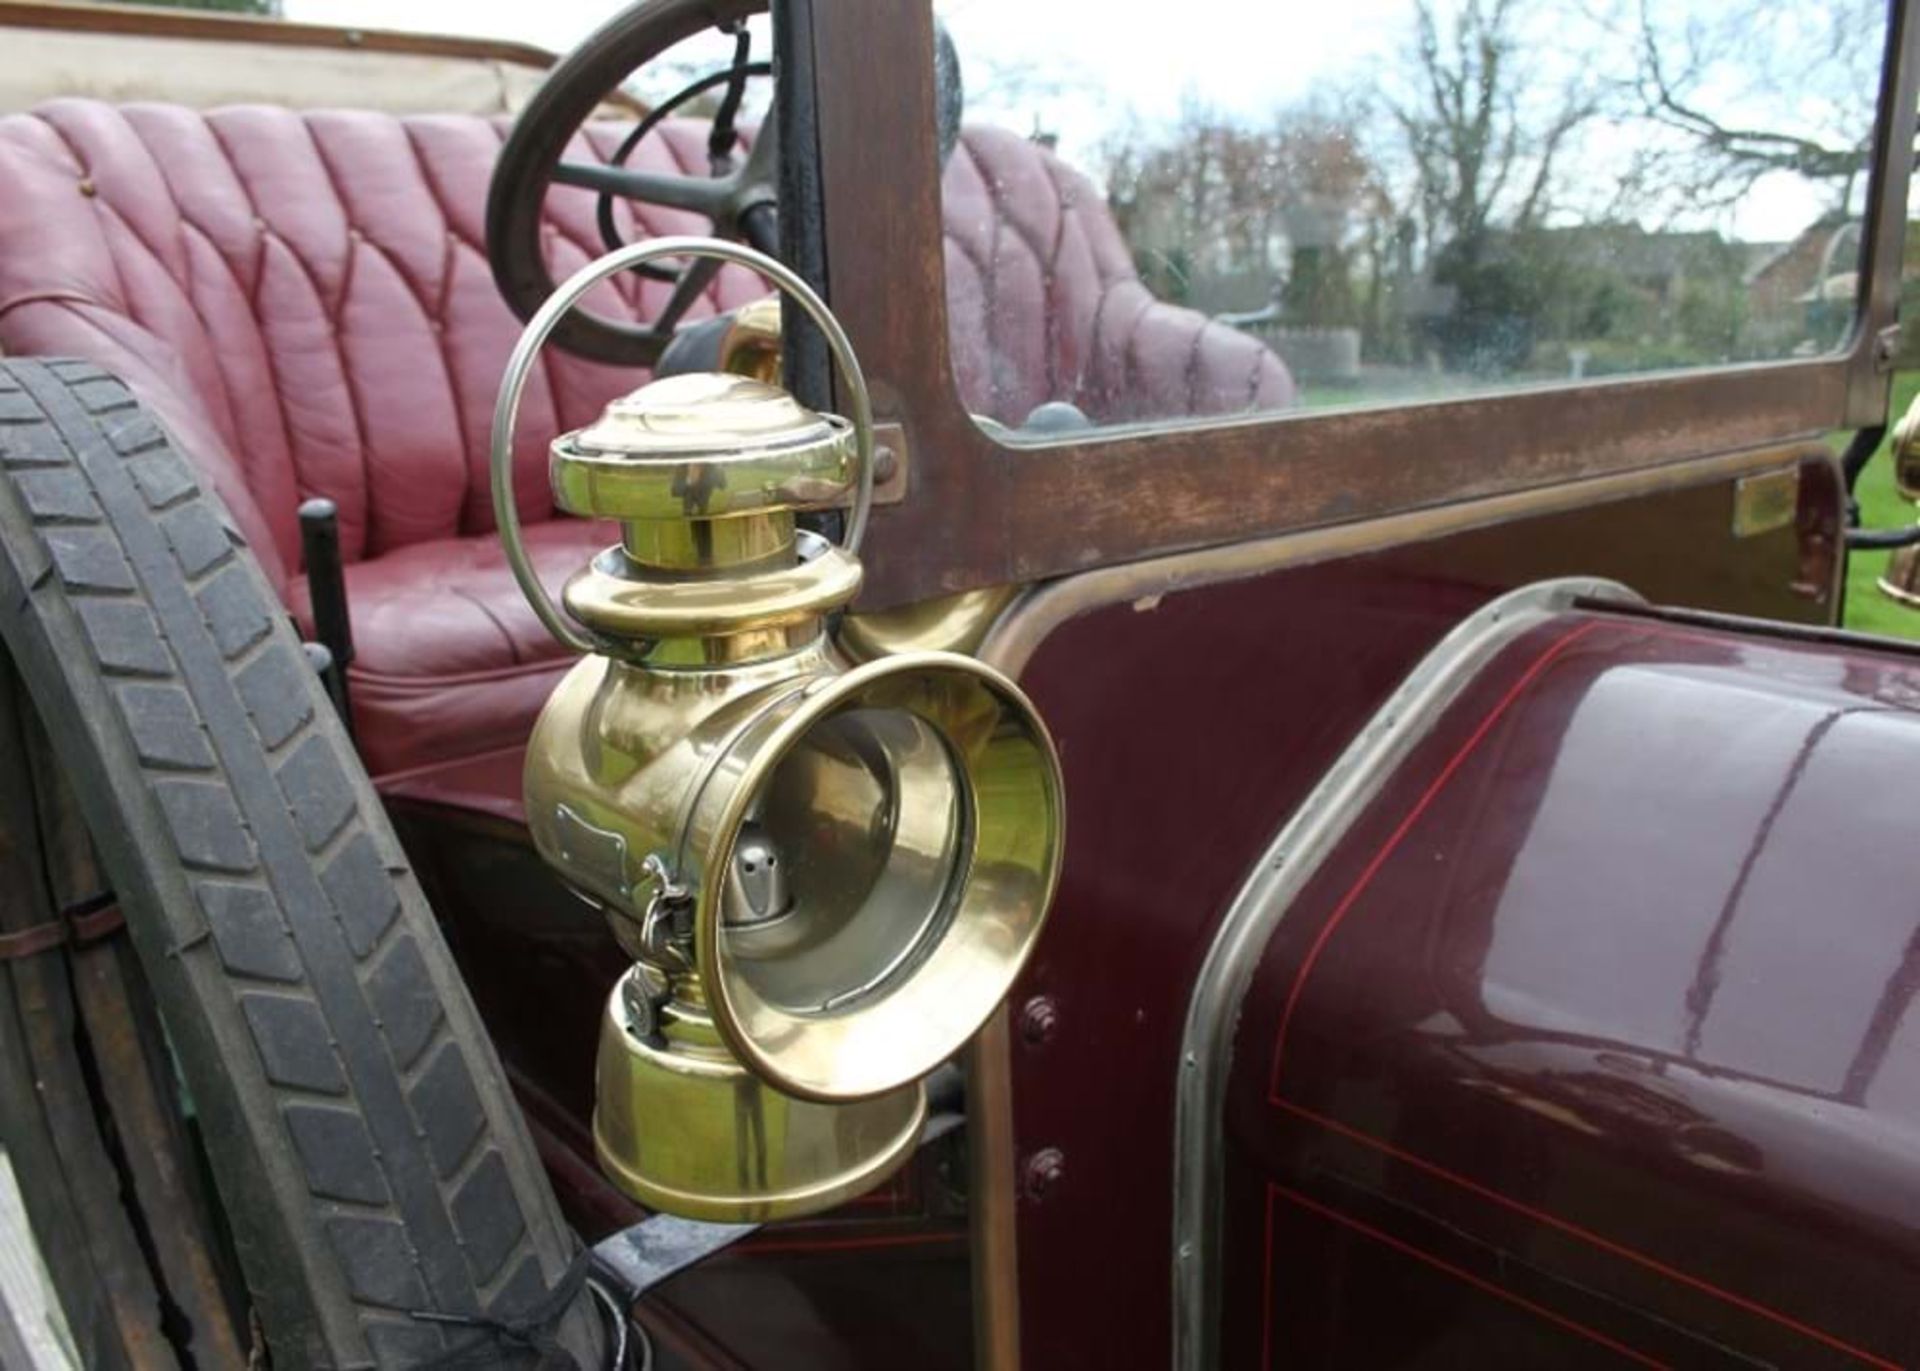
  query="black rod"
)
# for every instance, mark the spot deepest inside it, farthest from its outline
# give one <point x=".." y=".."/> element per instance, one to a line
<point x="327" y="595"/>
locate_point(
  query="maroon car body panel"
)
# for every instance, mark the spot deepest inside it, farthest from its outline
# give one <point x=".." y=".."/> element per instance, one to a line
<point x="1191" y="727"/>
<point x="1596" y="1034"/>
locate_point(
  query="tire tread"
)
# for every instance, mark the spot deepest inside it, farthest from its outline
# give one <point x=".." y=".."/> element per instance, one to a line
<point x="304" y="937"/>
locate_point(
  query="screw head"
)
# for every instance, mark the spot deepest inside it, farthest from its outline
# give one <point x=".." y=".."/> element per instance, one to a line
<point x="1043" y="1171"/>
<point x="1039" y="1019"/>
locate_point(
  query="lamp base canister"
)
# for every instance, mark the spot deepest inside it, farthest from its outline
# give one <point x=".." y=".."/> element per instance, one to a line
<point x="682" y="1127"/>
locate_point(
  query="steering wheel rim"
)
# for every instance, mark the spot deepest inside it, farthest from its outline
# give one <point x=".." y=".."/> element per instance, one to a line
<point x="732" y="76"/>
<point x="530" y="162"/>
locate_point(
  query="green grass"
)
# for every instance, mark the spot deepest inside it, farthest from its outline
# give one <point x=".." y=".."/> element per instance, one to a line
<point x="1881" y="507"/>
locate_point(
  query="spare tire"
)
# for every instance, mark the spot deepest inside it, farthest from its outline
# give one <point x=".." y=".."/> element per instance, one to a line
<point x="385" y="1202"/>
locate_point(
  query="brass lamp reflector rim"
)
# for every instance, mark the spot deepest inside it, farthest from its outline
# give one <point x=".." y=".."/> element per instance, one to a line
<point x="825" y="578"/>
<point x="1004" y="762"/>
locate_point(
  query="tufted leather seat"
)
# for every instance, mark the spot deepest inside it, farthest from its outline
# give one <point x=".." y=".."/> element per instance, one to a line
<point x="1044" y="303"/>
<point x="304" y="299"/>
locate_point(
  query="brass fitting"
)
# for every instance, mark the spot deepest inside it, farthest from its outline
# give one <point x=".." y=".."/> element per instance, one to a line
<point x="826" y="878"/>
<point x="1906" y="452"/>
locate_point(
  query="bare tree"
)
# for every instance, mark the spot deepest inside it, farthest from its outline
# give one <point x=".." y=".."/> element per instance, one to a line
<point x="1482" y="132"/>
<point x="1757" y="88"/>
<point x="1168" y="197"/>
<point x="1483" y="141"/>
<point x="1216" y="199"/>
<point x="1323" y="189"/>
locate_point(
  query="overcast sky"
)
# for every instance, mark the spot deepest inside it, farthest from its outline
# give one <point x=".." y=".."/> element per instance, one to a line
<point x="1083" y="69"/>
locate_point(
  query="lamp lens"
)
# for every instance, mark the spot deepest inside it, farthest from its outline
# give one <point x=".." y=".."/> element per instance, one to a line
<point x="846" y="871"/>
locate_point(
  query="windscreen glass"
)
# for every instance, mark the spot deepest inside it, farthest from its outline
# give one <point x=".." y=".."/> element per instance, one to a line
<point x="1222" y="208"/>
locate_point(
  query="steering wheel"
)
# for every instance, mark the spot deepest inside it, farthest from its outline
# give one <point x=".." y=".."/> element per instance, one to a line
<point x="739" y="203"/>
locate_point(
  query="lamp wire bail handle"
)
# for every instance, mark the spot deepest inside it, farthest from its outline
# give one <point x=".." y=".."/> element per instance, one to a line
<point x="506" y="411"/>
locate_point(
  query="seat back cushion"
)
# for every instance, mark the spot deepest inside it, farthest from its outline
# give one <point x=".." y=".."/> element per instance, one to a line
<point x="1044" y="303"/>
<point x="305" y="299"/>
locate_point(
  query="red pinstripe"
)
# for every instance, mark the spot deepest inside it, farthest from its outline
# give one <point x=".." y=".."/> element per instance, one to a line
<point x="1408" y="1249"/>
<point x="1352" y="896"/>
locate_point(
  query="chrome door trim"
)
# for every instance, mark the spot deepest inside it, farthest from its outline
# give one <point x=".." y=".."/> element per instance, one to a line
<point x="1294" y="855"/>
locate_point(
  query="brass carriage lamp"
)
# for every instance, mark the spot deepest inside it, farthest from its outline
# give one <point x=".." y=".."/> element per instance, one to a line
<point x="1900" y="582"/>
<point x="827" y="878"/>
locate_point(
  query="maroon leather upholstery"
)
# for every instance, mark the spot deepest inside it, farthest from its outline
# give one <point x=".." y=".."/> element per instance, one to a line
<point x="305" y="301"/>
<point x="1044" y="303"/>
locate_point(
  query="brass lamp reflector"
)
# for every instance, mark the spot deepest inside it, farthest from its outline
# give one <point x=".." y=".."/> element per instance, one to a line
<point x="915" y="806"/>
<point x="827" y="878"/>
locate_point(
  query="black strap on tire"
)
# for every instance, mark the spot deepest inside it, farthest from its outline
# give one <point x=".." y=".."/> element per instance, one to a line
<point x="528" y="1337"/>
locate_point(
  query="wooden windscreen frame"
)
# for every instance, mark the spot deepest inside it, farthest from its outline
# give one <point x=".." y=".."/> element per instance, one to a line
<point x="980" y="512"/>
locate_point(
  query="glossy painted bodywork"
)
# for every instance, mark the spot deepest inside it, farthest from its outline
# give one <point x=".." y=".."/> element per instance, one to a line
<point x="1595" y="1035"/>
<point x="1190" y="727"/>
